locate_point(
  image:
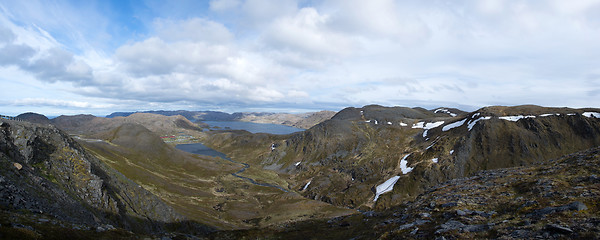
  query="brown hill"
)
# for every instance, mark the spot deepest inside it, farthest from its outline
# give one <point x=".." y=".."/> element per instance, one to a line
<point x="33" y="118"/>
<point x="90" y="125"/>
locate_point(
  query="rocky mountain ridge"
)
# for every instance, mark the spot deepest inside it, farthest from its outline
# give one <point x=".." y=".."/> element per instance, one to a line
<point x="342" y="160"/>
<point x="46" y="175"/>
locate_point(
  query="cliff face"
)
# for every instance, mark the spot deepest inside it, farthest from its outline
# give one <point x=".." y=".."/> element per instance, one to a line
<point x="45" y="172"/>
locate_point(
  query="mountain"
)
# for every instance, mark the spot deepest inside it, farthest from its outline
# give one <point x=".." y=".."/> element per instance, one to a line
<point x="50" y="185"/>
<point x="205" y="189"/>
<point x="557" y="199"/>
<point x="341" y="161"/>
<point x="160" y="124"/>
<point x="34" y="118"/>
<point x="369" y="172"/>
<point x="302" y="120"/>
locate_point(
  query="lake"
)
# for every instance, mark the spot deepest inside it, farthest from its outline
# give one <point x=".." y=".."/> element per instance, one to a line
<point x="252" y="127"/>
<point x="199" y="148"/>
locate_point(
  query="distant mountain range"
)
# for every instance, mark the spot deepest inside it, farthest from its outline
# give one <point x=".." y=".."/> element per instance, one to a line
<point x="301" y="120"/>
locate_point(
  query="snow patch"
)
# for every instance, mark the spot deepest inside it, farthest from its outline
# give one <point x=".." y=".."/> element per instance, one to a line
<point x="473" y="122"/>
<point x="298" y="163"/>
<point x="385" y="187"/>
<point x="434" y="160"/>
<point x="403" y="124"/>
<point x="454" y="125"/>
<point x="549" y="114"/>
<point x="434" y="124"/>
<point x="571" y="114"/>
<point x="427" y="126"/>
<point x="591" y="114"/>
<point x="427" y="148"/>
<point x="403" y="166"/>
<point x="451" y="151"/>
<point x="306" y="186"/>
<point x="515" y="118"/>
<point x="443" y="110"/>
<point x="272" y="146"/>
<point x="389" y="123"/>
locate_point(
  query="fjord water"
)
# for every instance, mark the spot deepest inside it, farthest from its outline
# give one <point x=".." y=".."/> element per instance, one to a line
<point x="253" y="127"/>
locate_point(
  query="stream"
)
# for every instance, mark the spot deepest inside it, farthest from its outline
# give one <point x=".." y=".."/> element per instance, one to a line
<point x="201" y="149"/>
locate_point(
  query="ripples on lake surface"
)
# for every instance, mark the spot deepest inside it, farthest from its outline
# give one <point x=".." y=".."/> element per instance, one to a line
<point x="253" y="127"/>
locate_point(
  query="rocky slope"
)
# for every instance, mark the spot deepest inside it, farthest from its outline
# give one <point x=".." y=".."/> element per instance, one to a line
<point x="49" y="182"/>
<point x="556" y="199"/>
<point x="342" y="160"/>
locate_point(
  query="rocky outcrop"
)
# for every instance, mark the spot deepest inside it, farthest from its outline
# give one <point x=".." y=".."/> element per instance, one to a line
<point x="59" y="180"/>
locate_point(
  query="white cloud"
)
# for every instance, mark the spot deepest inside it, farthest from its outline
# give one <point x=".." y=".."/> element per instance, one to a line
<point x="260" y="11"/>
<point x="195" y="29"/>
<point x="57" y="103"/>
<point x="255" y="53"/>
<point x="222" y="5"/>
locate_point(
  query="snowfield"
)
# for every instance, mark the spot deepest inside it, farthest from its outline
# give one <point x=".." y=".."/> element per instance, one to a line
<point x="472" y="123"/>
<point x="515" y="118"/>
<point x="403" y="166"/>
<point x="306" y="186"/>
<point x="443" y="110"/>
<point x="454" y="125"/>
<point x="591" y="114"/>
<point x="385" y="187"/>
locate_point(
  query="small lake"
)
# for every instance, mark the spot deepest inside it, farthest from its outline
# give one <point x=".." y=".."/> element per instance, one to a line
<point x="252" y="127"/>
<point x="199" y="148"/>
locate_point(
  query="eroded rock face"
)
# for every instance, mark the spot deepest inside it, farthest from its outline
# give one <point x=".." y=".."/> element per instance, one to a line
<point x="58" y="178"/>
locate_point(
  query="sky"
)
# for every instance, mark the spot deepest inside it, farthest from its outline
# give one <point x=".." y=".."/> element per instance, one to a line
<point x="97" y="57"/>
